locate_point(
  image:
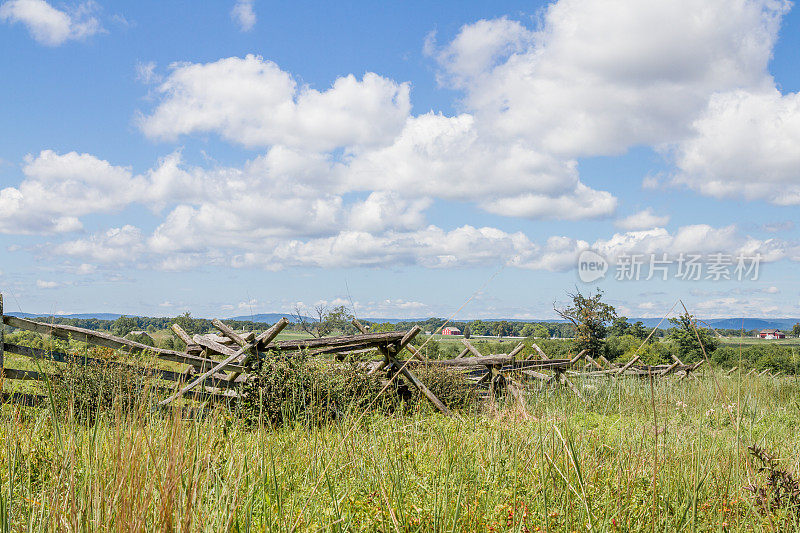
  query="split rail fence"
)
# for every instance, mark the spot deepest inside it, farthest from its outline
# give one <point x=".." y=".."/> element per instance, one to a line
<point x="214" y="366"/>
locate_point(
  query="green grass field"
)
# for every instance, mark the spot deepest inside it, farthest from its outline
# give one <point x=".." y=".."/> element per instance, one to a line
<point x="627" y="458"/>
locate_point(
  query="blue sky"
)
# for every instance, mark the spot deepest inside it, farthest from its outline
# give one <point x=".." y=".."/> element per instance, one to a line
<point x="230" y="158"/>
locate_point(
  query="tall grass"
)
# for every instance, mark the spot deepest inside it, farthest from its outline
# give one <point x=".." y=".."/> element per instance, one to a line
<point x="551" y="463"/>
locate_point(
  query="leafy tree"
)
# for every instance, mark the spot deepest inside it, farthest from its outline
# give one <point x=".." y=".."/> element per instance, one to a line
<point x="796" y="329"/>
<point x="619" y="327"/>
<point x="467" y="333"/>
<point x="589" y="315"/>
<point x="502" y="328"/>
<point x="540" y="331"/>
<point x="124" y="325"/>
<point x="684" y="336"/>
<point x="337" y="319"/>
<point x="381" y="327"/>
<point x="638" y="330"/>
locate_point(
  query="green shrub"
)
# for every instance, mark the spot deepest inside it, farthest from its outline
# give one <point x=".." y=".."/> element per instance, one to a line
<point x="89" y="388"/>
<point x="288" y="388"/>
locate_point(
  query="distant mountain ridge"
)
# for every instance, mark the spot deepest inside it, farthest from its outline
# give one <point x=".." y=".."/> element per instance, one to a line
<point x="82" y="316"/>
<point x="271" y="318"/>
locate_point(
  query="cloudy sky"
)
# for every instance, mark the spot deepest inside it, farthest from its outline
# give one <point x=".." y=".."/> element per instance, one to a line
<point x="240" y="157"/>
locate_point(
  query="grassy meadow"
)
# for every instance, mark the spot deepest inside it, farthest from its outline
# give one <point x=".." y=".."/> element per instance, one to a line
<point x="627" y="457"/>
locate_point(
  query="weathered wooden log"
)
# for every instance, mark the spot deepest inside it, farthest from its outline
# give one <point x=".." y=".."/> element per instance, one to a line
<point x="219" y="380"/>
<point x="14" y="373"/>
<point x="468" y="345"/>
<point x="628" y="365"/>
<point x="264" y="338"/>
<point x="182" y="335"/>
<point x="385" y="338"/>
<point x="517" y="350"/>
<point x="2" y="339"/>
<point x="593" y="362"/>
<point x="108" y="340"/>
<point x="539" y="351"/>
<point x="483" y="360"/>
<point x="214" y="346"/>
<point x="24" y="399"/>
<point x="389" y="356"/>
<point x="577" y="357"/>
<point x="229" y="332"/>
<point x="536" y="375"/>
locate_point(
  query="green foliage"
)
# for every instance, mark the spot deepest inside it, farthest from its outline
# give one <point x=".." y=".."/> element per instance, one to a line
<point x="502" y="329"/>
<point x="773" y="356"/>
<point x="124" y="325"/>
<point x="90" y="388"/>
<point x="624" y="348"/>
<point x="381" y="327"/>
<point x="619" y="327"/>
<point x="339" y="319"/>
<point x="684" y="337"/>
<point x="796" y="329"/>
<point x="588" y="314"/>
<point x="292" y="388"/>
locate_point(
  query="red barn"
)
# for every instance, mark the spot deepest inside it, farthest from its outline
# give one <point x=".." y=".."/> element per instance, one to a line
<point x="449" y="330"/>
<point x="771" y="334"/>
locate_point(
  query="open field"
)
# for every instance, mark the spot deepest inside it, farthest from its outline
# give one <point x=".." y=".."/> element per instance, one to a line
<point x="792" y="341"/>
<point x="553" y="463"/>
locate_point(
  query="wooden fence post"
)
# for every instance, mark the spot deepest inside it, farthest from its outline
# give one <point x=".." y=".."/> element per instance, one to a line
<point x="2" y="340"/>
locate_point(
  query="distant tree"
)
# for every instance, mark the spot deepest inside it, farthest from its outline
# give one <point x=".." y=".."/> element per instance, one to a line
<point x="312" y="326"/>
<point x="684" y="336"/>
<point x="619" y="327"/>
<point x="380" y="327"/>
<point x="466" y="332"/>
<point x="589" y="315"/>
<point x="540" y="331"/>
<point x="638" y="330"/>
<point x="502" y="328"/>
<point x="796" y="329"/>
<point x="189" y="324"/>
<point x="124" y="325"/>
<point x="337" y="319"/>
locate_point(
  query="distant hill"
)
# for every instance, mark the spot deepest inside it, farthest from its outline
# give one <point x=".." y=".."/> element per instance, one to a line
<point x="83" y="316"/>
<point x="731" y="323"/>
<point x="268" y="318"/>
<point x="271" y="318"/>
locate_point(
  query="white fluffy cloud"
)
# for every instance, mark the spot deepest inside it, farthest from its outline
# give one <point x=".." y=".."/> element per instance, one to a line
<point x="645" y="219"/>
<point x="244" y="15"/>
<point x="745" y="145"/>
<point x="449" y="157"/>
<point x="116" y="245"/>
<point x="48" y="25"/>
<point x="58" y="189"/>
<point x="599" y="77"/>
<point x="253" y="102"/>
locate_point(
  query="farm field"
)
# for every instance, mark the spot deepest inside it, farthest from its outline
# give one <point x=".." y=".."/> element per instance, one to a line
<point x="792" y="341"/>
<point x="627" y="458"/>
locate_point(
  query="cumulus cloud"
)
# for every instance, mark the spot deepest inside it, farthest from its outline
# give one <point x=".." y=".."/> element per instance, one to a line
<point x="50" y="26"/>
<point x="251" y="101"/>
<point x="45" y="284"/>
<point x="116" y="245"/>
<point x="58" y="189"/>
<point x="645" y="219"/>
<point x="449" y="157"/>
<point x="599" y="77"/>
<point x="745" y="145"/>
<point x="244" y="15"/>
